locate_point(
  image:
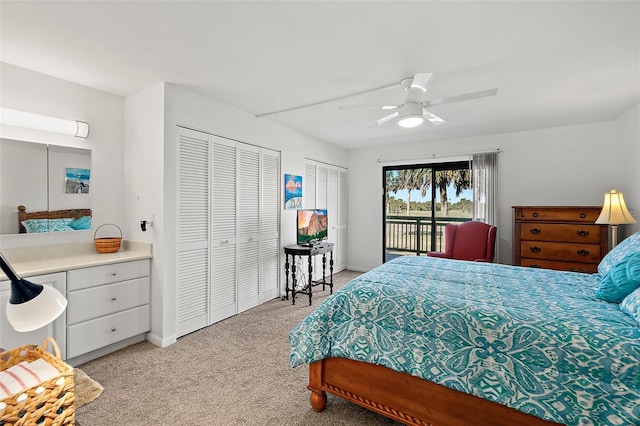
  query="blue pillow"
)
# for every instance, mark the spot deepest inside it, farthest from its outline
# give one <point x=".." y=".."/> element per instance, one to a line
<point x="36" y="225"/>
<point x="621" y="280"/>
<point x="57" y="225"/>
<point x="631" y="305"/>
<point x="628" y="246"/>
<point x="83" y="223"/>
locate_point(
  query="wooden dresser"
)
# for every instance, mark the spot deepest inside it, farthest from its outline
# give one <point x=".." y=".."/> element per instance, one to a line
<point x="560" y="237"/>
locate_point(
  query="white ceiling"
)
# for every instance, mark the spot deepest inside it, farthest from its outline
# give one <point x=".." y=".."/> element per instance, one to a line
<point x="554" y="63"/>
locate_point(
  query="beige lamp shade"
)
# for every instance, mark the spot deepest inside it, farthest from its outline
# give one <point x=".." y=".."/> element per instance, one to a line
<point x="614" y="210"/>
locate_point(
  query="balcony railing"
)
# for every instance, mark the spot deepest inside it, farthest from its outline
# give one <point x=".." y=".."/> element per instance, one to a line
<point x="412" y="234"/>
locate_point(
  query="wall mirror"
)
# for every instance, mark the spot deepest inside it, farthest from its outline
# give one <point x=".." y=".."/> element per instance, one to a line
<point x="51" y="182"/>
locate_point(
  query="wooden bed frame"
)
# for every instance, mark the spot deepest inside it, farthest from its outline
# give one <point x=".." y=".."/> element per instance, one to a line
<point x="405" y="398"/>
<point x="53" y="214"/>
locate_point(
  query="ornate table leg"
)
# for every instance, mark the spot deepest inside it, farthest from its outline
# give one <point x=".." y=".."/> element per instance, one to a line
<point x="331" y="271"/>
<point x="286" y="276"/>
<point x="324" y="269"/>
<point x="293" y="280"/>
<point x="310" y="277"/>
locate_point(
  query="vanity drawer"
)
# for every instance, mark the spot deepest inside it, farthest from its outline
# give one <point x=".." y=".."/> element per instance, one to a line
<point x="107" y="299"/>
<point x="95" y="334"/>
<point x="90" y="277"/>
<point x="585" y="234"/>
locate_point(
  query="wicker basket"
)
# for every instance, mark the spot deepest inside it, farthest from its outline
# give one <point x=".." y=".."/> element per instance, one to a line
<point x="109" y="244"/>
<point x="49" y="403"/>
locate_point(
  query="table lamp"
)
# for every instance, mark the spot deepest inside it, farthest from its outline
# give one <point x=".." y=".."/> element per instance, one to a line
<point x="614" y="212"/>
<point x="31" y="306"/>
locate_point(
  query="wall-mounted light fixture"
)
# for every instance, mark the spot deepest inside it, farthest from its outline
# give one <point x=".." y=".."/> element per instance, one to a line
<point x="29" y="120"/>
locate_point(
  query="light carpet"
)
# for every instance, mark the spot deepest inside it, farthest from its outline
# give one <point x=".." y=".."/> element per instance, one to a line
<point x="235" y="372"/>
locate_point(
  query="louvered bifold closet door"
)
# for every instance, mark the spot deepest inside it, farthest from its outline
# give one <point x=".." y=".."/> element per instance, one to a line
<point x="309" y="185"/>
<point x="270" y="225"/>
<point x="342" y="243"/>
<point x="223" y="225"/>
<point x="248" y="253"/>
<point x="321" y="186"/>
<point x="192" y="266"/>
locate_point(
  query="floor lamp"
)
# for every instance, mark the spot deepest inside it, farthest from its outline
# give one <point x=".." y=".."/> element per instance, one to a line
<point x="31" y="306"/>
<point x="614" y="212"/>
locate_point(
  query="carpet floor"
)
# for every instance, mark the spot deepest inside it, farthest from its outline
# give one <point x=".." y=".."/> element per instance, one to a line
<point x="235" y="372"/>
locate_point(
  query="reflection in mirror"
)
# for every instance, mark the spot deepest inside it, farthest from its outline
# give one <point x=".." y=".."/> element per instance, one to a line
<point x="43" y="188"/>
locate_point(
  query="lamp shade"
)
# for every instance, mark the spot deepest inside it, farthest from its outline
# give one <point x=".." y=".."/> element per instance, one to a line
<point x="614" y="210"/>
<point x="31" y="306"/>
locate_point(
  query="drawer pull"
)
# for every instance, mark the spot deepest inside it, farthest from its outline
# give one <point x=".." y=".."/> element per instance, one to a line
<point x="583" y="215"/>
<point x="535" y="249"/>
<point x="583" y="252"/>
<point x="535" y="214"/>
<point x="113" y="299"/>
<point x="113" y="274"/>
<point x="535" y="266"/>
<point x="113" y="329"/>
<point x="535" y="231"/>
<point x="582" y="233"/>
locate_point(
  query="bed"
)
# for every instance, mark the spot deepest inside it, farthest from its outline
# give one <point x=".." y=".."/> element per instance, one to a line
<point x="53" y="220"/>
<point x="436" y="341"/>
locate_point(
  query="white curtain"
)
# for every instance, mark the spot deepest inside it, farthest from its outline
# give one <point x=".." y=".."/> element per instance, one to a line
<point x="485" y="187"/>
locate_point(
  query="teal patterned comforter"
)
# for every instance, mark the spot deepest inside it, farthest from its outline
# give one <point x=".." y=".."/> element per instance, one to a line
<point x="535" y="340"/>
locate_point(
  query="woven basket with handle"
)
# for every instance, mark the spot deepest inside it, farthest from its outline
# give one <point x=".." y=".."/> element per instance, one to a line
<point x="49" y="403"/>
<point x="108" y="244"/>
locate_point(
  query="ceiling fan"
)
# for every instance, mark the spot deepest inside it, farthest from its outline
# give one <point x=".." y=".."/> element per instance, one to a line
<point x="414" y="111"/>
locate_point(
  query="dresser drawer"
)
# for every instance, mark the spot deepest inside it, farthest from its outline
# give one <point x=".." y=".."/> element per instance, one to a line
<point x="90" y="277"/>
<point x="582" y="233"/>
<point x="572" y="252"/>
<point x="107" y="299"/>
<point x="94" y="334"/>
<point x="558" y="214"/>
<point x="588" y="268"/>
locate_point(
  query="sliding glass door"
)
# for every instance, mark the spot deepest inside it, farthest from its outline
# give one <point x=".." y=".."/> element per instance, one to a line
<point x="419" y="200"/>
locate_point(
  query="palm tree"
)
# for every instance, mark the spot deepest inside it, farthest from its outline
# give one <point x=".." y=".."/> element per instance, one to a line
<point x="460" y="179"/>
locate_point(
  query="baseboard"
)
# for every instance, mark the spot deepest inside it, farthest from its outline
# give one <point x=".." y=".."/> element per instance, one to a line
<point x="159" y="341"/>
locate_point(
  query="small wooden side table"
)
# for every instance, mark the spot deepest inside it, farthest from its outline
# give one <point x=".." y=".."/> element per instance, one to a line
<point x="290" y="252"/>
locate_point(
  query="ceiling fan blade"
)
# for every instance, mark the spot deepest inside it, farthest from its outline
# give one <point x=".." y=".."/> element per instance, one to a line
<point x="460" y="98"/>
<point x="419" y="86"/>
<point x="433" y="119"/>
<point x="384" y="119"/>
<point x="383" y="107"/>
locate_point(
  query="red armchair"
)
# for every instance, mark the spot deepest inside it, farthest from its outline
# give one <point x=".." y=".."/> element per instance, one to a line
<point x="468" y="241"/>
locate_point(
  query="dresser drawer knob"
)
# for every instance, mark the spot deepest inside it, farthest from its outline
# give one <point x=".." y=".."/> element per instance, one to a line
<point x="113" y="299"/>
<point x="535" y="214"/>
<point x="113" y="329"/>
<point x="583" y="215"/>
<point x="535" y="249"/>
<point x="535" y="231"/>
<point x="113" y="274"/>
<point x="583" y="252"/>
<point x="582" y="233"/>
<point x="535" y="266"/>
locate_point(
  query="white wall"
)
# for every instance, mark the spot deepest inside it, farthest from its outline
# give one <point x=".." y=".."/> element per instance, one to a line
<point x="627" y="166"/>
<point x="38" y="93"/>
<point x="558" y="166"/>
<point x="148" y="132"/>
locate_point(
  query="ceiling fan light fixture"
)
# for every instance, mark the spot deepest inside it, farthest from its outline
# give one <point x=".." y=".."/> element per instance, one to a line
<point x="409" y="121"/>
<point x="410" y="115"/>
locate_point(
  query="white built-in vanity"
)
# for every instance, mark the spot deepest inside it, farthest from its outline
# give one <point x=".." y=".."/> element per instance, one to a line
<point x="108" y="297"/>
